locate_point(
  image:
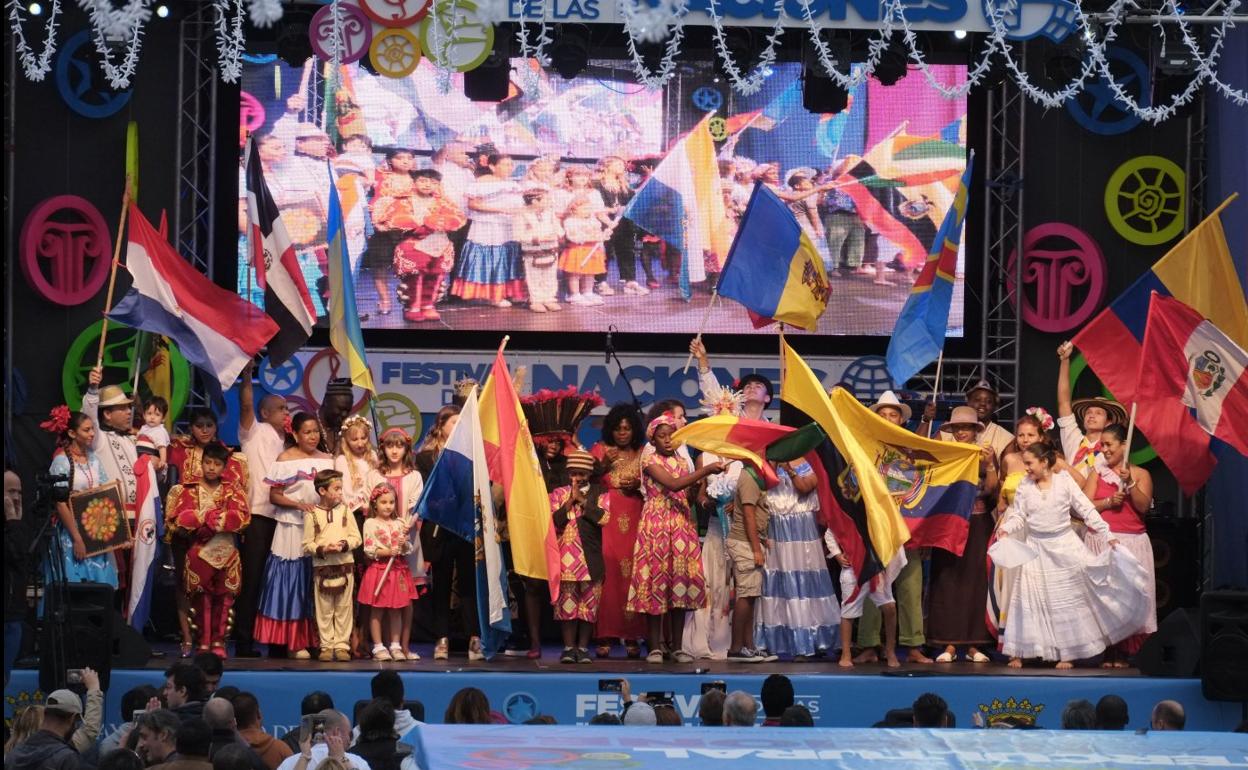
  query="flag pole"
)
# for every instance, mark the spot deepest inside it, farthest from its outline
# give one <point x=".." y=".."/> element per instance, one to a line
<point x="503" y="344"/>
<point x="1130" y="433"/>
<point x="706" y="317"/>
<point x="112" y="276"/>
<point x="138" y="345"/>
<point x="940" y="362"/>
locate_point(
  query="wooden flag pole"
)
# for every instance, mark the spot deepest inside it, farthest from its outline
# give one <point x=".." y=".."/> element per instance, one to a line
<point x="940" y="363"/>
<point x="112" y="276"/>
<point x="385" y="573"/>
<point x="706" y="317"/>
<point x="503" y="344"/>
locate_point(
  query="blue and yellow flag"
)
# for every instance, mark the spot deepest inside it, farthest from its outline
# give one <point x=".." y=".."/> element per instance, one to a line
<point x="919" y="335"/>
<point x="344" y="321"/>
<point x="913" y="488"/>
<point x="773" y="268"/>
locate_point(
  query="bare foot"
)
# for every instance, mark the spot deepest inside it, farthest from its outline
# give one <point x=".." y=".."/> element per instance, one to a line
<point x="846" y="662"/>
<point x="1015" y="663"/>
<point x="1107" y="664"/>
<point x="892" y="660"/>
<point x="1064" y="665"/>
<point x="1121" y="664"/>
<point x="868" y="655"/>
<point x="916" y="656"/>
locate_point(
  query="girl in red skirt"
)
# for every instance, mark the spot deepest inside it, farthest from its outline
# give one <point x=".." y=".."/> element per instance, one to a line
<point x="387" y="585"/>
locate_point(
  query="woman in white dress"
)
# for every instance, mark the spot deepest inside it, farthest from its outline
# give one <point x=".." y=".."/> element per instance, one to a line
<point x="1067" y="603"/>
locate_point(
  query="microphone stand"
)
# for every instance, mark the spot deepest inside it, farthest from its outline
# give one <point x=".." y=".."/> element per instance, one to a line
<point x="611" y="354"/>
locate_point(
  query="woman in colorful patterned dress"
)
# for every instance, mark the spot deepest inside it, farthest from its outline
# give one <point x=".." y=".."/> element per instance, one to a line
<point x="619" y="456"/>
<point x="579" y="510"/>
<point x="74" y="461"/>
<point x="667" y="575"/>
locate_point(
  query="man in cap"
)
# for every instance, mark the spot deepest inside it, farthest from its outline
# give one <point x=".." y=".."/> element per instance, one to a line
<point x="1082" y="447"/>
<point x="49" y="748"/>
<point x="983" y="398"/>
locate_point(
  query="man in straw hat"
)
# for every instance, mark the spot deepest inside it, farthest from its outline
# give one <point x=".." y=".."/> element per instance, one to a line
<point x="907" y="588"/>
<point x="579" y="511"/>
<point x="984" y="399"/>
<point x="1082" y="447"/>
<point x="113" y="412"/>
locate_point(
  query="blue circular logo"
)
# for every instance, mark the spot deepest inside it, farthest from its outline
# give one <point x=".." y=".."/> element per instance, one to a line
<point x="75" y="79"/>
<point x="520" y="707"/>
<point x="867" y="378"/>
<point x="1027" y="19"/>
<point x="1097" y="109"/>
<point x="707" y="99"/>
<point x="282" y="380"/>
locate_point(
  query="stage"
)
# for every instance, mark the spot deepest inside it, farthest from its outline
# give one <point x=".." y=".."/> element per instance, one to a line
<point x="845" y="698"/>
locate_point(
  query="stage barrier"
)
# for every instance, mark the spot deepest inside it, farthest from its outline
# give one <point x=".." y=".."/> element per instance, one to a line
<point x="571" y="698"/>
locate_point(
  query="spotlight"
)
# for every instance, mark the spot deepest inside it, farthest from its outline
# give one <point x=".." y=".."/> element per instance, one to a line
<point x="893" y="64"/>
<point x="162" y="11"/>
<point x="35" y="9"/>
<point x="491" y="82"/>
<point x="1065" y="62"/>
<point x="960" y="34"/>
<point x="570" y="53"/>
<point x="820" y="93"/>
<point x="293" y="45"/>
<point x="740" y="44"/>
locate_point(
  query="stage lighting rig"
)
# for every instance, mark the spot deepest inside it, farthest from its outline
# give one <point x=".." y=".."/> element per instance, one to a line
<point x="293" y="45"/>
<point x="894" y="62"/>
<point x="491" y="82"/>
<point x="570" y="53"/>
<point x="739" y="41"/>
<point x="820" y="93"/>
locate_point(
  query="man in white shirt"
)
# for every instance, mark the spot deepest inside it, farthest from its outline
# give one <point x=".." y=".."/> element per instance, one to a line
<point x="334" y="743"/>
<point x="983" y="398"/>
<point x="112" y="412"/>
<point x="262" y="441"/>
<point x="755" y="389"/>
<point x="1083" y="447"/>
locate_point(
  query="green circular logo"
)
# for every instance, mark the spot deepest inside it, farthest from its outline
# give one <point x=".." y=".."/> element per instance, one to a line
<point x="471" y="40"/>
<point x="119" y="355"/>
<point x="1145" y="200"/>
<point x="1078" y="364"/>
<point x="394" y="410"/>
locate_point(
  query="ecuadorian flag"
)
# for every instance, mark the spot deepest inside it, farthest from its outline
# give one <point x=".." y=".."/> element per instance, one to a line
<point x="773" y="268"/>
<point x="344" y="320"/>
<point x="919" y="335"/>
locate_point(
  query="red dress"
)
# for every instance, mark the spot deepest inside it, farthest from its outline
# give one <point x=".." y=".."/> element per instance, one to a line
<point x="618" y="539"/>
<point x="398" y="589"/>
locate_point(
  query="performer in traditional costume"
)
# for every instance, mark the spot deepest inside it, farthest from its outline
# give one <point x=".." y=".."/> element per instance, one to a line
<point x="211" y="512"/>
<point x="489" y="267"/>
<point x="387" y="585"/>
<point x="1082" y="445"/>
<point x="579" y="511"/>
<point x="76" y="462"/>
<point x="424" y="254"/>
<point x="397" y="465"/>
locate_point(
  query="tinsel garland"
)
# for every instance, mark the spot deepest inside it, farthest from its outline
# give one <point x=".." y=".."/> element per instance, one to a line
<point x="123" y="25"/>
<point x="230" y="40"/>
<point x="34" y="67"/>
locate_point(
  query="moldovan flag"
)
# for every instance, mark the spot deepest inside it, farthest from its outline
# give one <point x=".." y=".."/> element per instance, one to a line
<point x="148" y="531"/>
<point x="513" y="464"/>
<point x="216" y="330"/>
<point x="1198" y="272"/>
<point x="1190" y="364"/>
<point x="344" y="321"/>
<point x="286" y="297"/>
<point x="773" y="268"/>
<point x="458" y="497"/>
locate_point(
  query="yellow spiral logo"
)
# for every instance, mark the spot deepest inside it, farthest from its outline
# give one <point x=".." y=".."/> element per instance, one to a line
<point x="1145" y="200"/>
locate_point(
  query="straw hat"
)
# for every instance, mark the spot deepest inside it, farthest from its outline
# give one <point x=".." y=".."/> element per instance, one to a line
<point x="963" y="415"/>
<point x="113" y="395"/>
<point x="1112" y="408"/>
<point x="889" y="398"/>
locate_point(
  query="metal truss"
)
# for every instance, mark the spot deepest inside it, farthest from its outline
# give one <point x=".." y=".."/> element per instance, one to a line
<point x="998" y="360"/>
<point x="10" y="235"/>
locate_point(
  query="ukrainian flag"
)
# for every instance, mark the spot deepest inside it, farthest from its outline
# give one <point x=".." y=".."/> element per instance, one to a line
<point x="919" y="334"/>
<point x="773" y="268"/>
<point x="344" y="320"/>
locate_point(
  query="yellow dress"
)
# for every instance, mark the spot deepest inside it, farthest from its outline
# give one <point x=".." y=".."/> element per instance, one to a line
<point x="1010" y="485"/>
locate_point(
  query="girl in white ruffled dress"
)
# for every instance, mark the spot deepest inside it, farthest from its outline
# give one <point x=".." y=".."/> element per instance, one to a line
<point x="1067" y="603"/>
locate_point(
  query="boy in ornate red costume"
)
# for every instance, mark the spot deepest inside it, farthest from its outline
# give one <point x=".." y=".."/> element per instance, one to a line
<point x="425" y="254"/>
<point x="211" y="513"/>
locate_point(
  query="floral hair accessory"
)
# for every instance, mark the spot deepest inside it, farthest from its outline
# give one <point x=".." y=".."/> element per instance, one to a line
<point x="1046" y="419"/>
<point x="378" y="491"/>
<point x="729" y="402"/>
<point x="288" y="425"/>
<point x="667" y="418"/>
<point x="354" y="421"/>
<point x="58" y="420"/>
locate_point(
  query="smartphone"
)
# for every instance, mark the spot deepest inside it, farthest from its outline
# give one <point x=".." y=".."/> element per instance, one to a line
<point x="610" y="685"/>
<point x="312" y="726"/>
<point x="718" y="684"/>
<point x="73" y="676"/>
<point x="658" y="698"/>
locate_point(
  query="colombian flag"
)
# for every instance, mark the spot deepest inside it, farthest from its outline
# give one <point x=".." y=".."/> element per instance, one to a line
<point x="919" y="335"/>
<point x="344" y="320"/>
<point x="512" y="461"/>
<point x="1198" y="272"/>
<point x="773" y="268"/>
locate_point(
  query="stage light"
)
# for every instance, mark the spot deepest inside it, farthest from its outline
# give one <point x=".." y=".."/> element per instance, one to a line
<point x="570" y="53"/>
<point x="893" y="64"/>
<point x="960" y="34"/>
<point x="820" y="93"/>
<point x="491" y="81"/>
<point x="35" y="9"/>
<point x="162" y="11"/>
<point x="293" y="45"/>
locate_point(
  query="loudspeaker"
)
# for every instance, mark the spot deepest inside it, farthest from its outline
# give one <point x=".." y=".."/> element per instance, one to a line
<point x="81" y="615"/>
<point x="1175" y="649"/>
<point x="1224" y="645"/>
<point x="491" y="81"/>
<point x="820" y="93"/>
<point x="1176" y="560"/>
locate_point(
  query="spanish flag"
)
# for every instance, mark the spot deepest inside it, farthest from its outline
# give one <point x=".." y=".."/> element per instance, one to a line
<point x="773" y="268"/>
<point x="913" y="488"/>
<point x="512" y="461"/>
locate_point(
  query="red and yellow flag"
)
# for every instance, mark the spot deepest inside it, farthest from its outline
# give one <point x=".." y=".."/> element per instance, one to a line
<point x="512" y="460"/>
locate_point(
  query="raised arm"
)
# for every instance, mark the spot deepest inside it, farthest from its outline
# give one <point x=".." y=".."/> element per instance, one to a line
<point x="246" y="400"/>
<point x="1063" y="378"/>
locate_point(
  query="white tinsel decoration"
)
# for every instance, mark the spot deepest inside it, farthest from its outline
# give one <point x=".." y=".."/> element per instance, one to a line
<point x="265" y="13"/>
<point x="440" y="41"/>
<point x="230" y="40"/>
<point x="753" y="82"/>
<point x="535" y="51"/>
<point x="492" y="12"/>
<point x="667" y="67"/>
<point x="650" y="25"/>
<point x="34" y="67"/>
<point x="123" y="25"/>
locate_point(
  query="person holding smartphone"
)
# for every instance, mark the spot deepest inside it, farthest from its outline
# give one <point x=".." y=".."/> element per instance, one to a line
<point x="324" y="734"/>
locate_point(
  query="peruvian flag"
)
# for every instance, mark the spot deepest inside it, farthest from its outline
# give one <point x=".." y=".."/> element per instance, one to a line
<point x="286" y="297"/>
<point x="1190" y="371"/>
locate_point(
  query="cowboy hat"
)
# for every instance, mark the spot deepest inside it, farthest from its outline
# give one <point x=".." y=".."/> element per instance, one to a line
<point x="1112" y="408"/>
<point x="963" y="415"/>
<point x="113" y="395"/>
<point x="889" y="398"/>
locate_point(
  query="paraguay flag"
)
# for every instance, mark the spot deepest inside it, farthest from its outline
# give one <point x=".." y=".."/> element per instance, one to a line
<point x="216" y="330"/>
<point x="773" y="269"/>
<point x="682" y="203"/>
<point x="148" y="531"/>
<point x="457" y="496"/>
<point x="286" y="297"/>
<point x="1198" y="272"/>
<point x="344" y="320"/>
<point x="919" y="334"/>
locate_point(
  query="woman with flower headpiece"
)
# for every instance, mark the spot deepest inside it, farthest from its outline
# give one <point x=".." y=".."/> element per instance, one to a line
<point x="667" y="575"/>
<point x="76" y="463"/>
<point x="356" y="460"/>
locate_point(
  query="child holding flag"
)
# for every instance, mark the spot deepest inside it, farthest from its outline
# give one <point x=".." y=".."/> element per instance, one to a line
<point x="388" y="585"/>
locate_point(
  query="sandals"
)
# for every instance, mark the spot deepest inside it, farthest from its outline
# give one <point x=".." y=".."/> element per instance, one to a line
<point x="944" y="657"/>
<point x="442" y="650"/>
<point x="978" y="657"/>
<point x="397" y="653"/>
<point x="381" y="653"/>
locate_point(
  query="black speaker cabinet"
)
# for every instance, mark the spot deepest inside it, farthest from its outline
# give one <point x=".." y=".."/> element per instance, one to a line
<point x="1176" y="559"/>
<point x="77" y="632"/>
<point x="1224" y="645"/>
<point x="1175" y="649"/>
